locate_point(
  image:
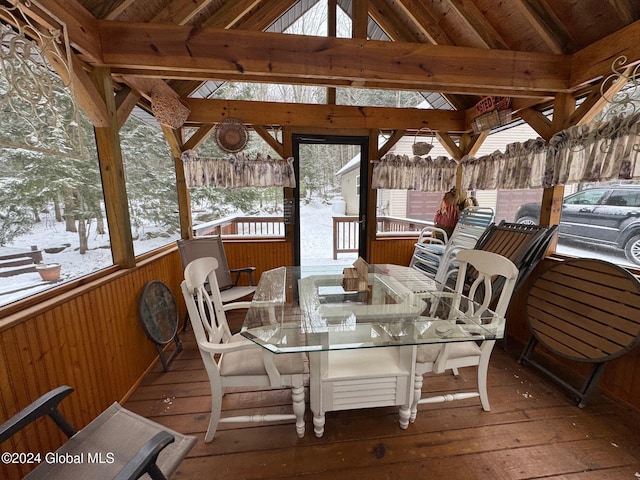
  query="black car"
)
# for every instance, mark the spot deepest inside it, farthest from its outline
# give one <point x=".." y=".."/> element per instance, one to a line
<point x="605" y="215"/>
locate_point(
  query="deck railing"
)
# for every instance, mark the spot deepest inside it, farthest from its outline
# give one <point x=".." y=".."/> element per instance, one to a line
<point x="345" y="229"/>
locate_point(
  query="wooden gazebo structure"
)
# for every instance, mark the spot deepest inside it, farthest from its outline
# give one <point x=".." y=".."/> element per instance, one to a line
<point x="542" y="54"/>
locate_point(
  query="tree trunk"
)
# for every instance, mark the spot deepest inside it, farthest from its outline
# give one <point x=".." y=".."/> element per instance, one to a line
<point x="84" y="238"/>
<point x="57" y="210"/>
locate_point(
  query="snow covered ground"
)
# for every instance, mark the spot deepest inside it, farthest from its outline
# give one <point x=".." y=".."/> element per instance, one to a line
<point x="316" y="236"/>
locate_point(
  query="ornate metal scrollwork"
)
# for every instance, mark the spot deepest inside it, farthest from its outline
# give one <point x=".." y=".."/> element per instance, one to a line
<point x="38" y="109"/>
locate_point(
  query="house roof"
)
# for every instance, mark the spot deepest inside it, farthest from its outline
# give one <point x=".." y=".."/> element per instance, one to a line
<point x="457" y="51"/>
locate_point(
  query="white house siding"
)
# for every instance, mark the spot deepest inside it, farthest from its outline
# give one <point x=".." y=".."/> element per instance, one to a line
<point x="350" y="192"/>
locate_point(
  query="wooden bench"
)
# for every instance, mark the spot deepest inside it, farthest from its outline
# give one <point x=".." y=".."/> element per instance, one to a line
<point x="117" y="444"/>
<point x="584" y="310"/>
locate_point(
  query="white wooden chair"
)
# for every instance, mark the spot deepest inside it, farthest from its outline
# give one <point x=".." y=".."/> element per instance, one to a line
<point x="438" y="358"/>
<point x="232" y="360"/>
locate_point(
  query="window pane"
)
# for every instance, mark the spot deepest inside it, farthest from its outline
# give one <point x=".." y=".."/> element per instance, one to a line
<point x="151" y="186"/>
<point x="256" y="212"/>
<point x="51" y="212"/>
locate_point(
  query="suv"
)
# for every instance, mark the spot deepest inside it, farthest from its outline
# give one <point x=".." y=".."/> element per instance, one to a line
<point x="605" y="215"/>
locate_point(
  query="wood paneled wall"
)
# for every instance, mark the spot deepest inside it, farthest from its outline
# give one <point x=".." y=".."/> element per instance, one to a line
<point x="89" y="338"/>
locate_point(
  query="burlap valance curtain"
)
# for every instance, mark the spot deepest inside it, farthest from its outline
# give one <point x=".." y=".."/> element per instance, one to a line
<point x="237" y="171"/>
<point x="401" y="172"/>
<point x="605" y="151"/>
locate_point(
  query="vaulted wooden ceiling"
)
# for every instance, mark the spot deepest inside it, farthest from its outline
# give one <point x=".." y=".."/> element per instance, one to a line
<point x="531" y="50"/>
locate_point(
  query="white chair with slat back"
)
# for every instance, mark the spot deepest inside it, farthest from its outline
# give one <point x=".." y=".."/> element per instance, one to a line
<point x="232" y="360"/>
<point x="438" y="358"/>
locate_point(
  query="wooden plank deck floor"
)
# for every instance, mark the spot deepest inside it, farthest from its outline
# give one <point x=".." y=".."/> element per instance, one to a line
<point x="534" y="430"/>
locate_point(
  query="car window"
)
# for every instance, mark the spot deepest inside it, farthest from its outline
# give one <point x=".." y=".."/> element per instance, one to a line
<point x="586" y="197"/>
<point x="626" y="198"/>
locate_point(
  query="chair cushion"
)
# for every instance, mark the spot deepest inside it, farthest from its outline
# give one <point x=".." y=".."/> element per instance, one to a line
<point x="429" y="353"/>
<point x="249" y="362"/>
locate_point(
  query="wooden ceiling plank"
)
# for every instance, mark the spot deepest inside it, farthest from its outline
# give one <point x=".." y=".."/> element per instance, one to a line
<point x="627" y="10"/>
<point x="180" y="12"/>
<point x="117" y="11"/>
<point x="271" y="141"/>
<point x="263" y="16"/>
<point x="390" y="23"/>
<point x="170" y="49"/>
<point x="231" y="13"/>
<point x="477" y="23"/>
<point x="596" y="60"/>
<point x="548" y="26"/>
<point x="427" y="23"/>
<point x="199" y="136"/>
<point x="322" y="115"/>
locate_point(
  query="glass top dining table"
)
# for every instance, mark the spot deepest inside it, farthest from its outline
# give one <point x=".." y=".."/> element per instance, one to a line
<point x="307" y="309"/>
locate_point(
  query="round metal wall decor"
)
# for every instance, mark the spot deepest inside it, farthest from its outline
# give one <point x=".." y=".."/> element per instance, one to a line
<point x="231" y="135"/>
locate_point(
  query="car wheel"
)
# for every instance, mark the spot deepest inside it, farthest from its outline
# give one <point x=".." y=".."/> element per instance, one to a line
<point x="632" y="249"/>
<point x="527" y="220"/>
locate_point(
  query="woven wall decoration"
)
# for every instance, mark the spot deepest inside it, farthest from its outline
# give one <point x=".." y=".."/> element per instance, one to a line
<point x="231" y="135"/>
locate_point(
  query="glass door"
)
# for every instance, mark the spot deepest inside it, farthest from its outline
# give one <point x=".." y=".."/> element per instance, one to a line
<point x="330" y="213"/>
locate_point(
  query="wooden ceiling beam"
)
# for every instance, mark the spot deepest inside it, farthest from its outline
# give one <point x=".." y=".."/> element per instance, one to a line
<point x="180" y="12"/>
<point x="359" y="18"/>
<point x="551" y="30"/>
<point x="320" y="115"/>
<point x="126" y="100"/>
<point x="601" y="96"/>
<point x="82" y="26"/>
<point x="199" y="136"/>
<point x="477" y="23"/>
<point x="395" y="137"/>
<point x="331" y="82"/>
<point x="537" y="121"/>
<point x="172" y="50"/>
<point x="596" y="61"/>
<point x="263" y="132"/>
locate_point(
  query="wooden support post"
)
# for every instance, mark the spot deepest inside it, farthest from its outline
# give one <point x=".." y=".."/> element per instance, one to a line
<point x="176" y="144"/>
<point x="112" y="172"/>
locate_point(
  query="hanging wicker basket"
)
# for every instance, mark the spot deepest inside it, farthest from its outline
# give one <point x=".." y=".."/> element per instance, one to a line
<point x="169" y="110"/>
<point x="231" y="135"/>
<point x="421" y="148"/>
